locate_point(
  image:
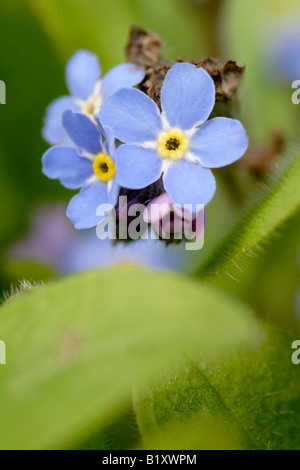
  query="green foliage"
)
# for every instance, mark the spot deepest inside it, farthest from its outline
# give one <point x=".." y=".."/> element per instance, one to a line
<point x="200" y="434"/>
<point x="274" y="205"/>
<point x="268" y="280"/>
<point x="33" y="78"/>
<point x="76" y="347"/>
<point x="256" y="393"/>
<point x="29" y="270"/>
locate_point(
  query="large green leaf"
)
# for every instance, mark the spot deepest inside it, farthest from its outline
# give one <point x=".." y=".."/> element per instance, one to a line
<point x="75" y="348"/>
<point x="256" y="395"/>
<point x="273" y="206"/>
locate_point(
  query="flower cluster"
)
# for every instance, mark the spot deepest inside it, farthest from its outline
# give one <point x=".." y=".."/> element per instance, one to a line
<point x="110" y="137"/>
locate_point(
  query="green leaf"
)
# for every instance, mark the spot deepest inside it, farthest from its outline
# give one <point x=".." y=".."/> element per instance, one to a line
<point x="76" y="347"/>
<point x="274" y="205"/>
<point x="120" y="433"/>
<point x="255" y="394"/>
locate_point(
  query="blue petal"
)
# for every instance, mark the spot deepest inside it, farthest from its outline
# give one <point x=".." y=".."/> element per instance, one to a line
<point x="65" y="164"/>
<point x="189" y="183"/>
<point x="53" y="130"/>
<point x="83" y="207"/>
<point x="219" y="142"/>
<point x="82" y="72"/>
<point x="121" y="76"/>
<point x="137" y="167"/>
<point x="187" y="96"/>
<point x="133" y="117"/>
<point x="84" y="133"/>
<point x="114" y="193"/>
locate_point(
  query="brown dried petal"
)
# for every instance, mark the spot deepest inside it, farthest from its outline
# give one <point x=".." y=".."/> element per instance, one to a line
<point x="227" y="76"/>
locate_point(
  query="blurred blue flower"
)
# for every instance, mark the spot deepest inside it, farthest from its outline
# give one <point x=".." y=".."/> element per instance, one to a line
<point x="177" y="143"/>
<point x="285" y="57"/>
<point x="89" y="252"/>
<point x="90" y="166"/>
<point x="48" y="239"/>
<point x="53" y="241"/>
<point x="87" y="89"/>
<point x="281" y="58"/>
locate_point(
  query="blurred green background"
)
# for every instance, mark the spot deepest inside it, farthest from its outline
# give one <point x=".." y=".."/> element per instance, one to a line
<point x="36" y="39"/>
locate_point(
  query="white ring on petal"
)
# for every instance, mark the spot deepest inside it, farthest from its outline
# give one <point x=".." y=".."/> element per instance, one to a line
<point x="166" y="165"/>
<point x="109" y="185"/>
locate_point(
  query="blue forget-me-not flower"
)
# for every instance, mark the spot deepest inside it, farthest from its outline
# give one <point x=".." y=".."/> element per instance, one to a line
<point x="87" y="91"/>
<point x="179" y="142"/>
<point x="89" y="165"/>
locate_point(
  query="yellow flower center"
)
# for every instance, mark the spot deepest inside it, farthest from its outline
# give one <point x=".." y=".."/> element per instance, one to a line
<point x="104" y="167"/>
<point x="172" y="144"/>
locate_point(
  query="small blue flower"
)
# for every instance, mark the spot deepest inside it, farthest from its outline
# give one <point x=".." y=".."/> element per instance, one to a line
<point x="83" y="73"/>
<point x="90" y="166"/>
<point x="178" y="142"/>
